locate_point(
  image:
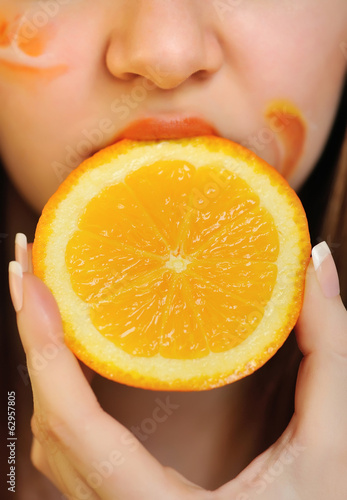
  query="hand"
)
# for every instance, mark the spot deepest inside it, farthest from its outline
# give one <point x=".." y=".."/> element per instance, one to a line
<point x="309" y="460"/>
<point x="89" y="455"/>
<point x="80" y="448"/>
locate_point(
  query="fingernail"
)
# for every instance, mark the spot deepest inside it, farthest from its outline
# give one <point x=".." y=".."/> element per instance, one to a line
<point x="16" y="284"/>
<point x="326" y="271"/>
<point x="21" y="250"/>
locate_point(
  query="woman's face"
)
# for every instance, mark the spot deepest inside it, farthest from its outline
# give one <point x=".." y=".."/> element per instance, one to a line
<point x="74" y="73"/>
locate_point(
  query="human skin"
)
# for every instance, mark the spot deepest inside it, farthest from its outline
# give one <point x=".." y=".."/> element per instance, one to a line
<point x="226" y="65"/>
<point x="221" y="64"/>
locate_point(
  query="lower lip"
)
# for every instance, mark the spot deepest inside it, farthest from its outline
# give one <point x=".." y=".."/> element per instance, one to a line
<point x="151" y="129"/>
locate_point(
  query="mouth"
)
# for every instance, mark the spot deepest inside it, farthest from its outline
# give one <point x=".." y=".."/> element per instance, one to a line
<point x="151" y="129"/>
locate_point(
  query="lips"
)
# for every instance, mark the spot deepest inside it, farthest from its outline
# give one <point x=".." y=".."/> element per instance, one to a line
<point x="150" y="129"/>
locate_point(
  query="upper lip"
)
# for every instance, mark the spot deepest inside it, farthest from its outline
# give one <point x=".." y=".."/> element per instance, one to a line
<point x="161" y="128"/>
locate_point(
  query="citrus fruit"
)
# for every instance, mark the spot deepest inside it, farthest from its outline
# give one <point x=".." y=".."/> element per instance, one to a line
<point x="176" y="264"/>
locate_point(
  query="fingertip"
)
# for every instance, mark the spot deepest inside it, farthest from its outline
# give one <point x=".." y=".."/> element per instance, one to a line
<point x="322" y="321"/>
<point x="325" y="269"/>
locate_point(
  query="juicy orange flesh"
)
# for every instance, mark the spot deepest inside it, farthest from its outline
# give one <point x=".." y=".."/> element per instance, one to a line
<point x="174" y="260"/>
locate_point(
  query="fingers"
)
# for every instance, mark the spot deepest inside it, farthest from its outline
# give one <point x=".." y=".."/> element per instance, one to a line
<point x="309" y="458"/>
<point x="323" y="309"/>
<point x="23" y="255"/>
<point x="60" y="472"/>
<point x="104" y="453"/>
<point x="321" y="397"/>
<point x="48" y="357"/>
<point x="40" y="462"/>
<point x="69" y="424"/>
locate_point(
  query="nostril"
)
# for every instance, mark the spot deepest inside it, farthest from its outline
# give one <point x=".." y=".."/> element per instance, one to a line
<point x="127" y="76"/>
<point x="202" y="74"/>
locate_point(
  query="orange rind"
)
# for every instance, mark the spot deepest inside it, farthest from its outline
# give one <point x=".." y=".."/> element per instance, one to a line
<point x="176" y="264"/>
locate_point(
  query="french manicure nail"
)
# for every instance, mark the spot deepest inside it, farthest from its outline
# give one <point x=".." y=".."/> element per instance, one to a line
<point x="326" y="271"/>
<point x="16" y="284"/>
<point x="21" y="251"/>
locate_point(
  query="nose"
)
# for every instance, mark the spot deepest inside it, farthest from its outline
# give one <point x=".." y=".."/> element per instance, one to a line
<point x="166" y="42"/>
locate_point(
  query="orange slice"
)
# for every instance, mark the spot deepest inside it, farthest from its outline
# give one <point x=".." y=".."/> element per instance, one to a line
<point x="176" y="264"/>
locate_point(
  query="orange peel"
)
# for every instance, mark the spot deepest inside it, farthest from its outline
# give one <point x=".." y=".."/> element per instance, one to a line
<point x="176" y="264"/>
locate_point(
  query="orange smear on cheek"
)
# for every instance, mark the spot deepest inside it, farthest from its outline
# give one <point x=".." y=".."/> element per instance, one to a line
<point x="20" y="35"/>
<point x="21" y="70"/>
<point x="3" y="28"/>
<point x="288" y="124"/>
<point x="32" y="45"/>
<point x="5" y="40"/>
<point x="8" y="30"/>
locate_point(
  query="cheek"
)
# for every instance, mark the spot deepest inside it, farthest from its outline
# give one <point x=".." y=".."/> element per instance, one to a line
<point x="294" y="57"/>
<point x="45" y="98"/>
<point x="41" y="43"/>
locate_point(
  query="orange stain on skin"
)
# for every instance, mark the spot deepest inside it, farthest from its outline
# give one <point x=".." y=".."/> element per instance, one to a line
<point x="17" y="35"/>
<point x="20" y="34"/>
<point x="289" y="125"/>
<point x="4" y="37"/>
<point x="22" y="69"/>
<point x="32" y="46"/>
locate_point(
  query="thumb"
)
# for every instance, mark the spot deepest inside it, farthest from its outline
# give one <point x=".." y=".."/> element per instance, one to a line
<point x="322" y="322"/>
<point x="320" y="400"/>
<point x="42" y="322"/>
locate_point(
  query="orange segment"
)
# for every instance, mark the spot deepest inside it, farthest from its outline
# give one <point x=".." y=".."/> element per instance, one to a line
<point x="132" y="320"/>
<point x="226" y="318"/>
<point x="99" y="267"/>
<point x="183" y="336"/>
<point x="163" y="189"/>
<point x="176" y="264"/>
<point x="249" y="281"/>
<point x="117" y="214"/>
<point x="251" y="236"/>
<point x="218" y="198"/>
